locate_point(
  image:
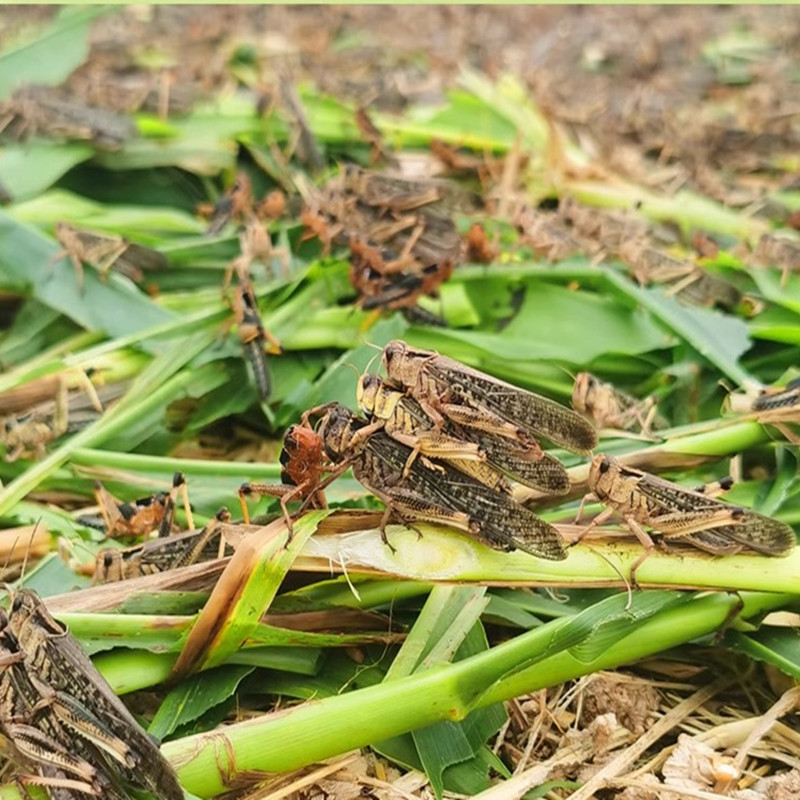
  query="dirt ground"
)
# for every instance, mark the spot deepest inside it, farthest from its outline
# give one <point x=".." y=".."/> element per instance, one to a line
<point x="706" y="88"/>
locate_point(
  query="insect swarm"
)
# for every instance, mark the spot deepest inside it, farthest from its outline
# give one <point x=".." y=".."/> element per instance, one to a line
<point x="688" y="515"/>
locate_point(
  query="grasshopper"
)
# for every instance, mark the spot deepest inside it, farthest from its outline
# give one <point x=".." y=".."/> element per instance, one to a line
<point x="142" y="516"/>
<point x="254" y="336"/>
<point x="158" y="555"/>
<point x="436" y="493"/>
<point x="104" y="253"/>
<point x="772" y="407"/>
<point x="480" y="454"/>
<point x="380" y="288"/>
<point x="235" y="204"/>
<point x="56" y="113"/>
<point x="678" y="513"/>
<point x="303" y="462"/>
<point x="39" y="721"/>
<point x="446" y="388"/>
<point x="545" y="233"/>
<point x="778" y="251"/>
<point x="256" y="245"/>
<point x="54" y="655"/>
<point x="27" y="436"/>
<point x="608" y="407"/>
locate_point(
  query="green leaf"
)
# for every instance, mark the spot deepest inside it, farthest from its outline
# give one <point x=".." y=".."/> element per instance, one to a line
<point x="547" y="327"/>
<point x="66" y="37"/>
<point x="445" y="620"/>
<point x="194" y="696"/>
<point x="27" y="170"/>
<point x="773" y="645"/>
<point x="719" y="338"/>
<point x="115" y="306"/>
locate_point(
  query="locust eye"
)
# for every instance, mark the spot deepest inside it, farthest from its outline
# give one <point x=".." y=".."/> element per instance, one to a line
<point x="391" y="350"/>
<point x="604" y="465"/>
<point x="108" y="559"/>
<point x="18" y="604"/>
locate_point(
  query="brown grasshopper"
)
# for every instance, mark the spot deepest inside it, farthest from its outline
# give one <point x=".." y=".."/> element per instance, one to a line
<point x="435" y="493"/>
<point x="303" y="463"/>
<point x="28" y="436"/>
<point x="157" y="555"/>
<point x="480" y="454"/>
<point x="608" y="407"/>
<point x="679" y="513"/>
<point x="40" y="722"/>
<point x="780" y="252"/>
<point x="142" y="516"/>
<point x="236" y="204"/>
<point x="254" y="336"/>
<point x="56" y="657"/>
<point x="104" y="253"/>
<point x="53" y="112"/>
<point x="546" y="234"/>
<point x="256" y="245"/>
<point x="472" y="399"/>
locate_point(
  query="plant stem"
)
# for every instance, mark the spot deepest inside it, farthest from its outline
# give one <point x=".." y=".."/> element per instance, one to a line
<point x="312" y="731"/>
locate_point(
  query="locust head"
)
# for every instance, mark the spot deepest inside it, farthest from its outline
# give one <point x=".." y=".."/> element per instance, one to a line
<point x="403" y="363"/>
<point x="108" y="566"/>
<point x="367" y="392"/>
<point x="28" y="616"/>
<point x="602" y="474"/>
<point x="336" y="430"/>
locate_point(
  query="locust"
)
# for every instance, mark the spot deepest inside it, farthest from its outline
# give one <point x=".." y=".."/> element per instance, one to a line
<point x="472" y="399"/>
<point x="772" y="407"/>
<point x="105" y="253"/>
<point x="157" y="555"/>
<point x="695" y="517"/>
<point x="236" y="204"/>
<point x="435" y="493"/>
<point x="256" y="245"/>
<point x="546" y="234"/>
<point x="56" y="657"/>
<point x="608" y="407"/>
<point x="254" y="336"/>
<point x="480" y="454"/>
<point x="40" y="722"/>
<point x="54" y="112"/>
<point x="303" y="463"/>
<point x="142" y="516"/>
<point x="28" y="435"/>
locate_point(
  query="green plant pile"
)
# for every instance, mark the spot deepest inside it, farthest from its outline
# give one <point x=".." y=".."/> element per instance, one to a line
<point x="438" y="651"/>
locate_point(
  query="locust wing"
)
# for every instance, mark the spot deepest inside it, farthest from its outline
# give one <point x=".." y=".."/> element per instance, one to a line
<point x="751" y="529"/>
<point x="492" y="516"/>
